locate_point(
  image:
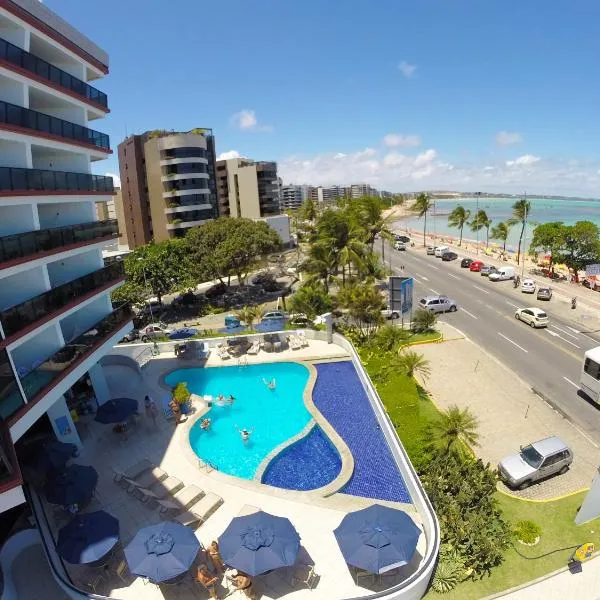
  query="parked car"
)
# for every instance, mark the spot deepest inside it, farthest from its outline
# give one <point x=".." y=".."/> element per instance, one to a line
<point x="503" y="274"/>
<point x="533" y="316"/>
<point x="400" y="246"/>
<point x="151" y="307"/>
<point x="299" y="319"/>
<point x="487" y="270"/>
<point x="402" y="238"/>
<point x="528" y="286"/>
<point x="274" y="315"/>
<point x="154" y="330"/>
<point x="390" y="314"/>
<point x="544" y="293"/>
<point x="465" y="263"/>
<point x="448" y="256"/>
<point x="534" y="462"/>
<point x="431" y="250"/>
<point x="438" y="304"/>
<point x="439" y="251"/>
<point x="475" y="266"/>
<point x="133" y="335"/>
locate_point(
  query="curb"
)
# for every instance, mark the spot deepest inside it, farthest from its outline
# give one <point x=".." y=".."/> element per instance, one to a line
<point x="555" y="499"/>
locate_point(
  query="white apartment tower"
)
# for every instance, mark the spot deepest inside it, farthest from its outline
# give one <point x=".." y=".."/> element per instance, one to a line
<point x="56" y="316"/>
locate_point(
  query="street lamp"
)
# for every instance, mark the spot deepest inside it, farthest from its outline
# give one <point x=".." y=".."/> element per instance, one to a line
<point x="477" y="195"/>
<point x="147" y="288"/>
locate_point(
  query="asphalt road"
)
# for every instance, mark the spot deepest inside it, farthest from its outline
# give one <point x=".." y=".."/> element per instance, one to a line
<point x="548" y="359"/>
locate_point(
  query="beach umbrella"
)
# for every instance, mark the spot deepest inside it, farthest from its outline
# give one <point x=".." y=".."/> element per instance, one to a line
<point x="377" y="538"/>
<point x="116" y="410"/>
<point x="182" y="334"/>
<point x="162" y="552"/>
<point x="88" y="537"/>
<point x="53" y="455"/>
<point x="75" y="485"/>
<point x="259" y="542"/>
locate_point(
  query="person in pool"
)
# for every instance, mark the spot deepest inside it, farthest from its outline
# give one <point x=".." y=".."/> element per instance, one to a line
<point x="244" y="433"/>
<point x="270" y="384"/>
<point x="231" y="399"/>
<point x="205" y="423"/>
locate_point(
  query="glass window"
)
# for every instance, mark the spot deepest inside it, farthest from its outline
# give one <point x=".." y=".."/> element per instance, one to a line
<point x="592" y="368"/>
<point x="10" y="395"/>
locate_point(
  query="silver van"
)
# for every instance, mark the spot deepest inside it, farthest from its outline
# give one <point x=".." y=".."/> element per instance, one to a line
<point x="537" y="461"/>
<point x="438" y="304"/>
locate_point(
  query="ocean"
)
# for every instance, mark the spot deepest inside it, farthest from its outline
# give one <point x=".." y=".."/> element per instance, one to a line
<point x="543" y="210"/>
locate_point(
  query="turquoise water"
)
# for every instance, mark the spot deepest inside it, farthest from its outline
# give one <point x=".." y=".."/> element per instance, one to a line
<point x="274" y="415"/>
<point x="543" y="210"/>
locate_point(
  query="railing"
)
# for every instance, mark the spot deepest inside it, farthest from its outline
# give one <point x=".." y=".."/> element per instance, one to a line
<point x="40" y="67"/>
<point x="41" y="375"/>
<point x="21" y="245"/>
<point x="16" y="179"/>
<point x="11" y="114"/>
<point x="22" y="315"/>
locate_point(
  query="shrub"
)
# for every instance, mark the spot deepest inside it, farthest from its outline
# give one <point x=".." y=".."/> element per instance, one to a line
<point x="181" y="393"/>
<point x="389" y="337"/>
<point x="448" y="573"/>
<point x="527" y="532"/>
<point x="423" y="321"/>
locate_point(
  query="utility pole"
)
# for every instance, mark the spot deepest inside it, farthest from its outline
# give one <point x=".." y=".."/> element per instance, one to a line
<point x="524" y="241"/>
<point x="477" y="194"/>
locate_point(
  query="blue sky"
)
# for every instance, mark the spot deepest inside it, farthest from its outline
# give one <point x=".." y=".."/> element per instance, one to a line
<point x="406" y="95"/>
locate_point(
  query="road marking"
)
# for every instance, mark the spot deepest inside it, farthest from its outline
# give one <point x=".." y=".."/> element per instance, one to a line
<point x="553" y="333"/>
<point x="587" y="437"/>
<point x="434" y="267"/>
<point x="565" y="332"/>
<point x="573" y="329"/>
<point x="470" y="314"/>
<point x="571" y="382"/>
<point x="481" y="289"/>
<point x="511" y="304"/>
<point x="513" y="343"/>
<point x="454" y="276"/>
<point x="421" y="276"/>
<point x="435" y="291"/>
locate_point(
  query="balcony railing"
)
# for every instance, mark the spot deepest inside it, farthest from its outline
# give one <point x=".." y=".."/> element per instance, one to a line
<point x="22" y="245"/>
<point x="23" y="315"/>
<point x="16" y="179"/>
<point x="33" y="64"/>
<point x="41" y="375"/>
<point x="11" y="114"/>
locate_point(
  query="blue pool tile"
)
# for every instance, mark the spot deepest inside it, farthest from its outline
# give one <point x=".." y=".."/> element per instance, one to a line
<point x="341" y="398"/>
<point x="310" y="463"/>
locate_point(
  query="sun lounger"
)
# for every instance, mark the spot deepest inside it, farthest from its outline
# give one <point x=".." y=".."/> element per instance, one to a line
<point x="223" y="353"/>
<point x="134" y="471"/>
<point x="295" y="342"/>
<point x="254" y="348"/>
<point x="183" y="499"/>
<point x="203" y="351"/>
<point x="145" y="480"/>
<point x="160" y="489"/>
<point x="200" y="511"/>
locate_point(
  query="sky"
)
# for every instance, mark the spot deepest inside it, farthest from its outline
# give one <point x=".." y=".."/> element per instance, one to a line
<point x="406" y="95"/>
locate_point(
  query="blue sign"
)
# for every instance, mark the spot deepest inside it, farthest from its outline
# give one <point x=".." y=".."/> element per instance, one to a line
<point x="406" y="294"/>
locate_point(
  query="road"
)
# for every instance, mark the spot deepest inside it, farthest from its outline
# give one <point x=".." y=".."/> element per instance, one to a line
<point x="548" y="359"/>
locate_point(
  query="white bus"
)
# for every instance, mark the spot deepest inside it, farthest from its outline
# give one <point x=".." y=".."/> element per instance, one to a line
<point x="590" y="374"/>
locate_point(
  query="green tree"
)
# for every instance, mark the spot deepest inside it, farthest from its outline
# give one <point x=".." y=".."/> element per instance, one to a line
<point x="500" y="232"/>
<point x="458" y="218"/>
<point x="422" y="205"/>
<point x="309" y="210"/>
<point x="321" y="263"/>
<point x="389" y="337"/>
<point x="364" y="304"/>
<point x="549" y="238"/>
<point x="482" y="221"/>
<point x="311" y="299"/>
<point x="423" y="320"/>
<point x="129" y="293"/>
<point x="457" y="429"/>
<point x="248" y="315"/>
<point x="412" y="363"/>
<point x="582" y="242"/>
<point x="521" y="210"/>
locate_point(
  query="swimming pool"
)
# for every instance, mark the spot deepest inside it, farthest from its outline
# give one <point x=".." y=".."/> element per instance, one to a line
<point x="273" y="416"/>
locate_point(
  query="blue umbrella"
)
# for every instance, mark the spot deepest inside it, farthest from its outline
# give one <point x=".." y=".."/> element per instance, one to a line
<point x="184" y="333"/>
<point x="53" y="455"/>
<point x="75" y="485"/>
<point x="377" y="538"/>
<point x="271" y="325"/>
<point x="259" y="542"/>
<point x="161" y="552"/>
<point x="117" y="410"/>
<point x="88" y="537"/>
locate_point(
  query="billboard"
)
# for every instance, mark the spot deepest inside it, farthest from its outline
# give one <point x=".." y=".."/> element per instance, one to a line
<point x="401" y="294"/>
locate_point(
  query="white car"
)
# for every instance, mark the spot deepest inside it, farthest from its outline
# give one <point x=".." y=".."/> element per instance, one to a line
<point x="400" y="246"/>
<point x="533" y="316"/>
<point x="528" y="286"/>
<point x="154" y="330"/>
<point x="274" y="315"/>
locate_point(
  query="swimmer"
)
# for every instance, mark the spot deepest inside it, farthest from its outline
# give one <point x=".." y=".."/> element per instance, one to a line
<point x="205" y="423"/>
<point x="231" y="399"/>
<point x="244" y="433"/>
<point x="221" y="400"/>
<point x="270" y="384"/>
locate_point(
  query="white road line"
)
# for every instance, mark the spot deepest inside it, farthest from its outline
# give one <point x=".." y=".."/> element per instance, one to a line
<point x="470" y="314"/>
<point x="587" y="437"/>
<point x="481" y="289"/>
<point x="513" y="343"/>
<point x="589" y="337"/>
<point x="511" y="304"/>
<point x="421" y="276"/>
<point x="554" y="334"/>
<point x="453" y="276"/>
<point x="573" y="329"/>
<point x="435" y="291"/>
<point x="434" y="267"/>
<point x="571" y="382"/>
<point x="565" y="332"/>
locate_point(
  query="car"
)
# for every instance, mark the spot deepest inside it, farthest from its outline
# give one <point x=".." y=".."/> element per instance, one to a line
<point x="154" y="330"/>
<point x="274" y="315"/>
<point x="537" y="461"/>
<point x="390" y="314"/>
<point x="528" y="286"/>
<point x="465" y="263"/>
<point x="151" y="307"/>
<point x="448" y="256"/>
<point x="544" y="293"/>
<point x="402" y="238"/>
<point x="503" y="274"/>
<point x="487" y="270"/>
<point x="439" y="251"/>
<point x="533" y="316"/>
<point x="475" y="266"/>
<point x="438" y="304"/>
<point x="133" y="335"/>
<point x="400" y="246"/>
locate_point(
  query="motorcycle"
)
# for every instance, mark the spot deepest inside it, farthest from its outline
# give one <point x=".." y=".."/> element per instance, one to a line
<point x="516" y="282"/>
<point x="573" y="303"/>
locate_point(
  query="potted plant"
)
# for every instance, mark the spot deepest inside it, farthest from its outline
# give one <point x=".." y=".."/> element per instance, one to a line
<point x="181" y="395"/>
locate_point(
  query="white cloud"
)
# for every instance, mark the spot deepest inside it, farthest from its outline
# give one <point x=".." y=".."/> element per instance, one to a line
<point x="506" y="138"/>
<point x="395" y="140"/>
<point x="246" y="120"/>
<point x="406" y="68"/>
<point x="523" y="161"/>
<point x="229" y="154"/>
<point x="116" y="179"/>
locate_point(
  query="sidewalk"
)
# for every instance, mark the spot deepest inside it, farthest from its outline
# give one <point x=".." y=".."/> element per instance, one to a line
<point x="510" y="415"/>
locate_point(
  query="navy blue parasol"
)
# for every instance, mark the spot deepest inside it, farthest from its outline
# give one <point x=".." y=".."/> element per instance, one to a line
<point x="162" y="552"/>
<point x="88" y="537"/>
<point x="259" y="542"/>
<point x="75" y="485"/>
<point x="53" y="455"/>
<point x="116" y="410"/>
<point x="377" y="538"/>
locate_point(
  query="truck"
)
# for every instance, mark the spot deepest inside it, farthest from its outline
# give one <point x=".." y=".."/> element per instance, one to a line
<point x="503" y="274"/>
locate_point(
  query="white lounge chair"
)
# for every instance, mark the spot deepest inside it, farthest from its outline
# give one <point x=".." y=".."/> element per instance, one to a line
<point x="132" y="472"/>
<point x="183" y="499"/>
<point x="146" y="477"/>
<point x="160" y="489"/>
<point x="254" y="348"/>
<point x="200" y="511"/>
<point x="223" y="353"/>
<point x="295" y="342"/>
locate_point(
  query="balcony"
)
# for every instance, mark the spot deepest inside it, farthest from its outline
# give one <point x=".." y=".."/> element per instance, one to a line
<point x="45" y="71"/>
<point x="42" y="377"/>
<point x="15" y="180"/>
<point x="54" y="302"/>
<point x="32" y="120"/>
<point x="18" y="248"/>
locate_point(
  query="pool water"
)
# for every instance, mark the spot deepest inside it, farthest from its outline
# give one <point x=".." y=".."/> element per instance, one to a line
<point x="273" y="416"/>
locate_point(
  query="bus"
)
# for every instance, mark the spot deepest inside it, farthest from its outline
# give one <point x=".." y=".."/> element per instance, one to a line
<point x="590" y="374"/>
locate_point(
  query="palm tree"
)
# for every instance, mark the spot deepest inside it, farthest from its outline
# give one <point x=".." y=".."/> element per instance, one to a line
<point x="321" y="263"/>
<point x="351" y="253"/>
<point x="247" y="315"/>
<point x="500" y="232"/>
<point x="457" y="218"/>
<point x="422" y="205"/>
<point x="481" y="221"/>
<point x="457" y="426"/>
<point x="412" y="363"/>
<point x="521" y="209"/>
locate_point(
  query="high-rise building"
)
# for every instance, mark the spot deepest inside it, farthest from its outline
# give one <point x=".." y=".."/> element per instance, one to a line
<point x="168" y="183"/>
<point x="357" y="190"/>
<point x="247" y="188"/>
<point x="293" y="196"/>
<point x="56" y="316"/>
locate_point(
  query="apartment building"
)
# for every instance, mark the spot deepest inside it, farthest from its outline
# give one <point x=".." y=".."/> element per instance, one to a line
<point x="108" y="209"/>
<point x="291" y="197"/>
<point x="247" y="188"/>
<point x="168" y="184"/>
<point x="358" y="190"/>
<point x="56" y="316"/>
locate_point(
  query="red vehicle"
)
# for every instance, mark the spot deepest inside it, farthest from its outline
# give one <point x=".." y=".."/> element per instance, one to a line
<point x="476" y="266"/>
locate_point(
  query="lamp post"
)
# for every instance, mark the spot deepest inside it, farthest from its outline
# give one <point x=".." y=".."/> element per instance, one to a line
<point x="147" y="288"/>
<point x="524" y="241"/>
<point x="477" y="195"/>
